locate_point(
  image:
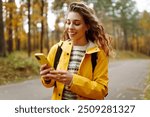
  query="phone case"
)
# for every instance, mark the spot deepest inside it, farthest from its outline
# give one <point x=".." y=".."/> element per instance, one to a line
<point x="41" y="58"/>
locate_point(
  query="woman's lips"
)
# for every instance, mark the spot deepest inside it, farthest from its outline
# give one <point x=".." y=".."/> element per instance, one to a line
<point x="71" y="33"/>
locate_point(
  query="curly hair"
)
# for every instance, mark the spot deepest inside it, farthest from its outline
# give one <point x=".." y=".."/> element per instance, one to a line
<point x="96" y="31"/>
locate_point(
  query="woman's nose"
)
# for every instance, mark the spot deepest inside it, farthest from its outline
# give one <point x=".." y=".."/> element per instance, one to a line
<point x="71" y="26"/>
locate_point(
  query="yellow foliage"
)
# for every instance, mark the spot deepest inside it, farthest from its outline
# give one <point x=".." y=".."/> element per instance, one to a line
<point x="141" y="42"/>
<point x="6" y="35"/>
<point x="134" y="43"/>
<point x="10" y="6"/>
<point x="145" y="21"/>
<point x="22" y="35"/>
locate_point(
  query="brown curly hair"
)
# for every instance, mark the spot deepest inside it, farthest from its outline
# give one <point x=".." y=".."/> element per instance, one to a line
<point x="96" y="31"/>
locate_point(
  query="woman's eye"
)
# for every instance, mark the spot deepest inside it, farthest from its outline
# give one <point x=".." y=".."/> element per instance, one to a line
<point x="73" y="23"/>
<point x="77" y="24"/>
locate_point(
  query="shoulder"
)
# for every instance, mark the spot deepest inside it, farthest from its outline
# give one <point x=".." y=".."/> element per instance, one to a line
<point x="102" y="57"/>
<point x="53" y="50"/>
<point x="55" y="46"/>
<point x="101" y="54"/>
<point x="93" y="48"/>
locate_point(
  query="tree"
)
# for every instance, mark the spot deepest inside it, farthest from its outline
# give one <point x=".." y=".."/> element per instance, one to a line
<point x="145" y="25"/>
<point x="10" y="30"/>
<point x="42" y="26"/>
<point x="125" y="14"/>
<point x="2" y="40"/>
<point x="58" y="9"/>
<point x="29" y="32"/>
<point x="101" y="7"/>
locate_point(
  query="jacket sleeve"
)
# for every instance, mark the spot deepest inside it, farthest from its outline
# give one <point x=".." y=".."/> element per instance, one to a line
<point x="96" y="88"/>
<point x="50" y="57"/>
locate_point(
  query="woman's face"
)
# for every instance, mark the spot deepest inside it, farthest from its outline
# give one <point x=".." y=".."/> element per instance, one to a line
<point x="76" y="27"/>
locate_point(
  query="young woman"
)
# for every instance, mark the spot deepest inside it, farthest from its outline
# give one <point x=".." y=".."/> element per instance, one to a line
<point x="74" y="77"/>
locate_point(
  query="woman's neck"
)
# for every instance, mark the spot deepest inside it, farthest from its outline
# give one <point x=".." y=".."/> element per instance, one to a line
<point x="80" y="42"/>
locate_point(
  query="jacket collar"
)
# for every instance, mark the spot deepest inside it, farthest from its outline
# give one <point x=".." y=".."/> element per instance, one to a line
<point x="67" y="46"/>
<point x="92" y="48"/>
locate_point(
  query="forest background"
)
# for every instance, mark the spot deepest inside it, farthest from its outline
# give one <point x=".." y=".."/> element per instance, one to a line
<point x="25" y="29"/>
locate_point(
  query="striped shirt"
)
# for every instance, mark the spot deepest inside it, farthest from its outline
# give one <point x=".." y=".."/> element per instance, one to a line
<point x="77" y="54"/>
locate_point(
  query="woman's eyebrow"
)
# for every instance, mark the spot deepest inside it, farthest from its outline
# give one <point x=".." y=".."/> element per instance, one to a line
<point x="74" y="20"/>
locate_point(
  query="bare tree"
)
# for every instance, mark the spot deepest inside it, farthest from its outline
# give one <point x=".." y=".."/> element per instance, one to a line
<point x="42" y="27"/>
<point x="29" y="27"/>
<point x="2" y="40"/>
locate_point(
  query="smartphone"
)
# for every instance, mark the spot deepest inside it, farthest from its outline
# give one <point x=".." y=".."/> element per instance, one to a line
<point x="41" y="58"/>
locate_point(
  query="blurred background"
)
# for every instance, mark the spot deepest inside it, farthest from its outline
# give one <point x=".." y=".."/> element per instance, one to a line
<point x="29" y="26"/>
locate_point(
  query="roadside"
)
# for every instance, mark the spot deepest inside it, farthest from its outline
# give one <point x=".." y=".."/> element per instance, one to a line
<point x="147" y="88"/>
<point x="127" y="81"/>
<point x="17" y="67"/>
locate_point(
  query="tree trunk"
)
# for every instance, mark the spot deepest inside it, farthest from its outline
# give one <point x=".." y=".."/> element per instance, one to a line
<point x="10" y="30"/>
<point x="42" y="28"/>
<point x="126" y="45"/>
<point x="137" y="43"/>
<point x="2" y="40"/>
<point x="46" y="32"/>
<point x="29" y="33"/>
<point x="17" y="39"/>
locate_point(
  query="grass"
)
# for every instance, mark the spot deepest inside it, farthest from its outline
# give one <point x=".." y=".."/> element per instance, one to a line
<point x="147" y="89"/>
<point x="123" y="55"/>
<point x="17" y="67"/>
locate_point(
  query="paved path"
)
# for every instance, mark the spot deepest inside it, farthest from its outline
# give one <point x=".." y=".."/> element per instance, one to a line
<point x="28" y="90"/>
<point x="126" y="81"/>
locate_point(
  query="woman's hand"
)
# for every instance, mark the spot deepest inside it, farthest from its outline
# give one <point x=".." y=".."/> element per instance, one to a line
<point x="44" y="70"/>
<point x="62" y="76"/>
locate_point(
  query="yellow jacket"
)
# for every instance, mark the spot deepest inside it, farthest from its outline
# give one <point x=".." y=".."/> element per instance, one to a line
<point x="85" y="84"/>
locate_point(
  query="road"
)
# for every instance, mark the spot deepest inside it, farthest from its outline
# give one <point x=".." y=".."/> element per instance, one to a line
<point x="126" y="81"/>
<point x="27" y="90"/>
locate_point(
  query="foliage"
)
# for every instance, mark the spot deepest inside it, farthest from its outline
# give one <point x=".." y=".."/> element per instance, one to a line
<point x="125" y="15"/>
<point x="147" y="88"/>
<point x="144" y="22"/>
<point x="129" y="55"/>
<point x="17" y="67"/>
<point x="145" y="32"/>
<point x="16" y="21"/>
<point x="2" y="40"/>
<point x="128" y="27"/>
<point x="58" y="4"/>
